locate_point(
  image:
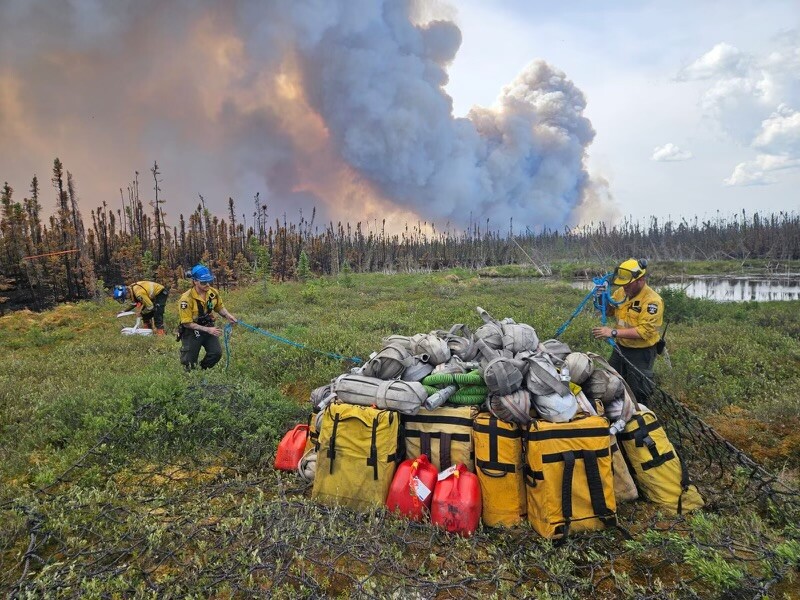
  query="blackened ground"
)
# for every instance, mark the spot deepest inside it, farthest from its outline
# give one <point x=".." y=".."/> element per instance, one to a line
<point x="16" y="295"/>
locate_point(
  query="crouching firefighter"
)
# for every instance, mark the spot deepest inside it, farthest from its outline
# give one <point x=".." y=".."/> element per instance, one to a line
<point x="148" y="298"/>
<point x="197" y="329"/>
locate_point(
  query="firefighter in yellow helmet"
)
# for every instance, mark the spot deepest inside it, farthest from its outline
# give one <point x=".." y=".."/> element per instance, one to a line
<point x="639" y="314"/>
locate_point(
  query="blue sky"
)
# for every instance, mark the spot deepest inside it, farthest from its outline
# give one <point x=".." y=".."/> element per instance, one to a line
<point x="633" y="61"/>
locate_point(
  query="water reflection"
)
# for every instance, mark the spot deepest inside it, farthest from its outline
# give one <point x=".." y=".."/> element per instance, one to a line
<point x="741" y="289"/>
<point x="732" y="289"/>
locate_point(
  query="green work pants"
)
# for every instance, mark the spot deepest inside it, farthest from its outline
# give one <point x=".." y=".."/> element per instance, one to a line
<point x="191" y="342"/>
<point x="636" y="367"/>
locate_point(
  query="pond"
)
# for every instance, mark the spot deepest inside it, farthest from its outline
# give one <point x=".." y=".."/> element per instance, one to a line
<point x="732" y="288"/>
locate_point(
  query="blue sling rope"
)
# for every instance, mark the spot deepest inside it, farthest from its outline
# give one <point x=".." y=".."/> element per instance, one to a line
<point x="601" y="302"/>
<point x="229" y="328"/>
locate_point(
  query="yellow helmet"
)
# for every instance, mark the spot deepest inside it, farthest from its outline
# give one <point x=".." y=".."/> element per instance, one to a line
<point x="629" y="271"/>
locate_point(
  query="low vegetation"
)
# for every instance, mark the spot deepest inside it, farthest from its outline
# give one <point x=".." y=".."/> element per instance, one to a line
<point x="123" y="476"/>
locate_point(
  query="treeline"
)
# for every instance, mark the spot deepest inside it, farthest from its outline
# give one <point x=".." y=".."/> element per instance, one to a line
<point x="66" y="258"/>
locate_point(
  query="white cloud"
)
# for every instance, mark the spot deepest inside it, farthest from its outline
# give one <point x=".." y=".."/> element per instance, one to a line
<point x="760" y="171"/>
<point x="754" y="100"/>
<point x="670" y="152"/>
<point x="723" y="60"/>
<point x="780" y="133"/>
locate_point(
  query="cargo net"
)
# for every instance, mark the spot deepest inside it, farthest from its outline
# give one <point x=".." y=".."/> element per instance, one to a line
<point x="125" y="521"/>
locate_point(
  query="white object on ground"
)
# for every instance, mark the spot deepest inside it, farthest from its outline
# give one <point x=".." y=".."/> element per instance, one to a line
<point x="135" y="329"/>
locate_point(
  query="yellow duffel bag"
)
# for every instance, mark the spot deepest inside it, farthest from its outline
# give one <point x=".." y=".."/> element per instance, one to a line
<point x="443" y="434"/>
<point x="568" y="475"/>
<point x="655" y="465"/>
<point x="357" y="455"/>
<point x="500" y="469"/>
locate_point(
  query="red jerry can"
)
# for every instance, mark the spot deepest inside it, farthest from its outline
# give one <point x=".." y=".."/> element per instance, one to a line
<point x="412" y="488"/>
<point x="457" y="501"/>
<point x="291" y="448"/>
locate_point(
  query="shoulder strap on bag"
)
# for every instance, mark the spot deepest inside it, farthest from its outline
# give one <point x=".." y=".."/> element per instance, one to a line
<point x="332" y="444"/>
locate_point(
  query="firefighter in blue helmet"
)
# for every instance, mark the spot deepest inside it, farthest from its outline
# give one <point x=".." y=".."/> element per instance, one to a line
<point x="148" y="298"/>
<point x="640" y="314"/>
<point x="198" y="330"/>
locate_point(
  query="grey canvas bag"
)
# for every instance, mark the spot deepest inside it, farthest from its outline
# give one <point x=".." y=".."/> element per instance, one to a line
<point x="400" y="340"/>
<point x="403" y="396"/>
<point x="418" y="370"/>
<point x="389" y="363"/>
<point x="461" y="342"/>
<point x="604" y="385"/>
<point x="556" y="408"/>
<point x="491" y="332"/>
<point x="503" y="374"/>
<point x="543" y="378"/>
<point x="556" y="348"/>
<point x="580" y="367"/>
<point x="432" y="347"/>
<point x="519" y="337"/>
<point x="320" y="397"/>
<point x="512" y="408"/>
<point x="629" y="405"/>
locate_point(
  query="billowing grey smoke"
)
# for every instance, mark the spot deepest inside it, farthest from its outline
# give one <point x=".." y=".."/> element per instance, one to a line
<point x="377" y="80"/>
<point x="206" y="88"/>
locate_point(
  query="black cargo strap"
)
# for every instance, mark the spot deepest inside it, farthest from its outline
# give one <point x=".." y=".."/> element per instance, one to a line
<point x="559" y="456"/>
<point x="596" y="491"/>
<point x="566" y="489"/>
<point x="465" y="422"/>
<point x="332" y="444"/>
<point x="445" y="441"/>
<point x="594" y="482"/>
<point x="642" y="438"/>
<point x="444" y="451"/>
<point x="540" y="435"/>
<point x="424" y="443"/>
<point x="531" y="476"/>
<point x="491" y="467"/>
<point x="372" y="461"/>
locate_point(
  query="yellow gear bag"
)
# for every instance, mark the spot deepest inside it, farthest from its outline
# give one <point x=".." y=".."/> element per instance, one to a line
<point x="656" y="466"/>
<point x="568" y="475"/>
<point x="501" y="470"/>
<point x="443" y="434"/>
<point x="357" y="456"/>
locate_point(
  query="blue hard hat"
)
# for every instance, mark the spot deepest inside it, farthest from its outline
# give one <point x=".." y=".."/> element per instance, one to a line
<point x="202" y="274"/>
<point x="120" y="291"/>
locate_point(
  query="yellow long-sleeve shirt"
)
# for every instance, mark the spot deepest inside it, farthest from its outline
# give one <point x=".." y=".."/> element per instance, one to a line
<point x="645" y="312"/>
<point x="188" y="308"/>
<point x="143" y="292"/>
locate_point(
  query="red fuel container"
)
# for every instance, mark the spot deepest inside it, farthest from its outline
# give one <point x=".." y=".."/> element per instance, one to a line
<point x="457" y="502"/>
<point x="291" y="448"/>
<point x="412" y="488"/>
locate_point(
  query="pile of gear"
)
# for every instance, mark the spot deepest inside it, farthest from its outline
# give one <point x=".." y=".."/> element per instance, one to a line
<point x="507" y="426"/>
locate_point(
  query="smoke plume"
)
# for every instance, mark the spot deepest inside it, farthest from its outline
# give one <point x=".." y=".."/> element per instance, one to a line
<point x="337" y="105"/>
